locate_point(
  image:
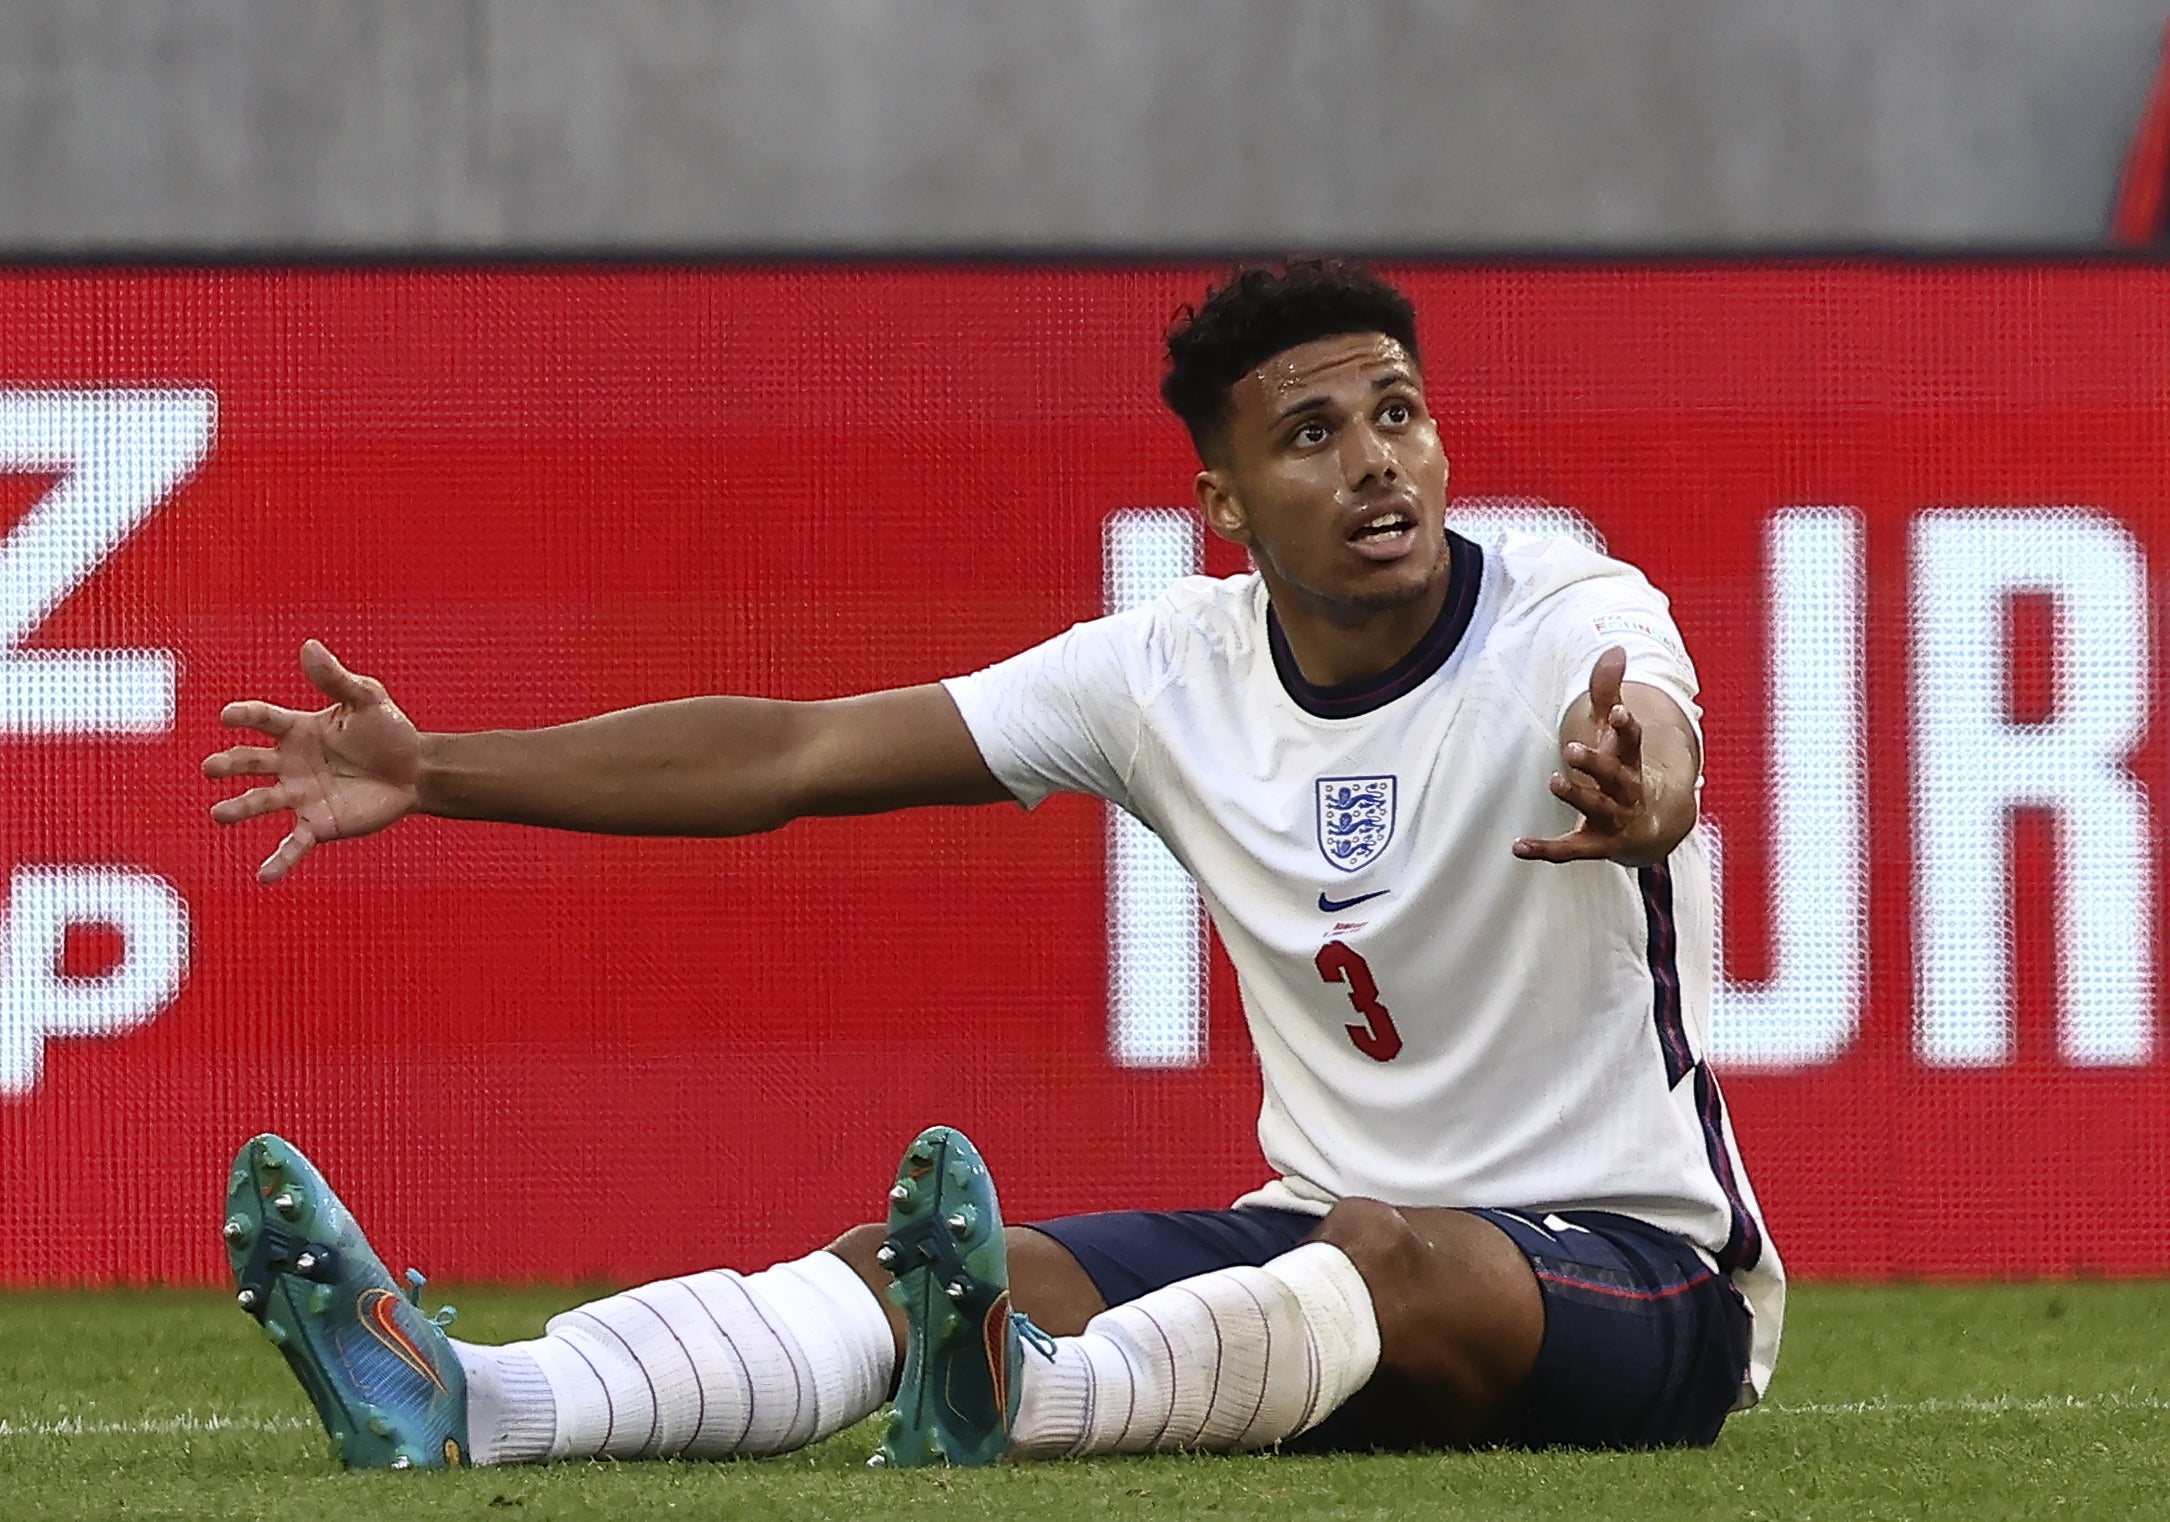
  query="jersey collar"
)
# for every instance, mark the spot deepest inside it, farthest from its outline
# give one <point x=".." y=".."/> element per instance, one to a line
<point x="1348" y="700"/>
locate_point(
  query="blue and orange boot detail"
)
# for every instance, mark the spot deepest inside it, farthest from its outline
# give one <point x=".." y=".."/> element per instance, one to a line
<point x="963" y="1347"/>
<point x="382" y="1376"/>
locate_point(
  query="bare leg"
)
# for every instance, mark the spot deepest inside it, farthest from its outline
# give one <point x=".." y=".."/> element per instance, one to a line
<point x="1458" y="1315"/>
<point x="1424" y="1323"/>
<point x="1460" y="1319"/>
<point x="1046" y="1283"/>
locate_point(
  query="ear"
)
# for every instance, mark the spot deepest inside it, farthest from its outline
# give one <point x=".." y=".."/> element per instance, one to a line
<point x="1220" y="507"/>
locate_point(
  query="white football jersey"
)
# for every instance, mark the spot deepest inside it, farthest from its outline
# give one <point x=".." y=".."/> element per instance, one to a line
<point x="1437" y="1021"/>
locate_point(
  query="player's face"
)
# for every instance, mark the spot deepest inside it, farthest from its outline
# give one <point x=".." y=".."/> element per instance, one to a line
<point x="1334" y="478"/>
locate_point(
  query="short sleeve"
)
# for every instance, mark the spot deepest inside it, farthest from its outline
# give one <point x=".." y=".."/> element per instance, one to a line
<point x="1061" y="717"/>
<point x="1617" y="607"/>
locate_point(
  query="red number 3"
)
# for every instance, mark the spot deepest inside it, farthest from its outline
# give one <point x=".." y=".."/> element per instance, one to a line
<point x="1376" y="1038"/>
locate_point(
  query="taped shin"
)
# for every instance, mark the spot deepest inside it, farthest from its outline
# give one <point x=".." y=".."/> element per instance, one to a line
<point x="706" y="1366"/>
<point x="1234" y="1359"/>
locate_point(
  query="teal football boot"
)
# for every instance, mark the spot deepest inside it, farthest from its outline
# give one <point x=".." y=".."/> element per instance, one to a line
<point x="382" y="1375"/>
<point x="963" y="1345"/>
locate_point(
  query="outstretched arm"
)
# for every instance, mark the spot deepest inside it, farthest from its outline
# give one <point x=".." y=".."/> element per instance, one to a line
<point x="699" y="766"/>
<point x="1629" y="763"/>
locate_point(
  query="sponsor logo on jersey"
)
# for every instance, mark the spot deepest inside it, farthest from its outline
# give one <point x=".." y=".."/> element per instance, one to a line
<point x="1336" y="905"/>
<point x="1356" y="820"/>
<point x="1633" y="623"/>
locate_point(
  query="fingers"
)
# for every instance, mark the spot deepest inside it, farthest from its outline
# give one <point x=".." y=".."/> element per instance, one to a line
<point x="288" y="856"/>
<point x="1617" y="777"/>
<point x="324" y="672"/>
<point x="1580" y="846"/>
<point x="248" y="805"/>
<point x="327" y="676"/>
<point x="1628" y="736"/>
<point x="258" y="801"/>
<point x="1605" y="679"/>
<point x="269" y="718"/>
<point x="1593" y="805"/>
<point x="242" y="761"/>
<point x="1603" y="782"/>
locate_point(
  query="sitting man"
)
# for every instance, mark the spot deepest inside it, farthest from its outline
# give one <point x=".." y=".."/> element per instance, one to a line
<point x="1440" y="799"/>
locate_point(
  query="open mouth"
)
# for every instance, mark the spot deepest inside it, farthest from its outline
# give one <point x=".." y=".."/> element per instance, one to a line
<point x="1384" y="525"/>
<point x="1385" y="536"/>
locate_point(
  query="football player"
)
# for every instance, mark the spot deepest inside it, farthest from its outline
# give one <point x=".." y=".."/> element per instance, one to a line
<point x="1439" y="797"/>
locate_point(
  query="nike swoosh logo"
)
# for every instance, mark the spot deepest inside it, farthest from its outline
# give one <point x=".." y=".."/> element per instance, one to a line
<point x="1336" y="905"/>
<point x="376" y="1310"/>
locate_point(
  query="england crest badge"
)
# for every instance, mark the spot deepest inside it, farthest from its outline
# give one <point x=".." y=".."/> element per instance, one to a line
<point x="1356" y="819"/>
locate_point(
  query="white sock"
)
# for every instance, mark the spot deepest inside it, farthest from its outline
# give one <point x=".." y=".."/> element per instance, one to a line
<point x="1237" y="1358"/>
<point x="700" y="1367"/>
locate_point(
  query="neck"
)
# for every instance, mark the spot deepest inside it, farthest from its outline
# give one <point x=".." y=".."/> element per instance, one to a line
<point x="1334" y="644"/>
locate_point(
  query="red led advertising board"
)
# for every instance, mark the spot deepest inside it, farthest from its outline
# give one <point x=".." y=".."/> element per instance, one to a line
<point x="1910" y="517"/>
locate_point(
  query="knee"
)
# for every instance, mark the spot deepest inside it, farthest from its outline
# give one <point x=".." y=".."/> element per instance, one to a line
<point x="1382" y="1244"/>
<point x="1458" y="1311"/>
<point x="1409" y="1280"/>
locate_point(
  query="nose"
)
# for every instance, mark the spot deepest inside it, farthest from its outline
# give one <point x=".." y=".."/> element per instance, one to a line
<point x="1367" y="458"/>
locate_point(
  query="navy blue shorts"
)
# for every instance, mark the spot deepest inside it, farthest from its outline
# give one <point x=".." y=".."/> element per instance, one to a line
<point x="1644" y="1347"/>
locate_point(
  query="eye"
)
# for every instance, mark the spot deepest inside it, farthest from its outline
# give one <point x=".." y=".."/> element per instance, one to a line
<point x="1397" y="413"/>
<point x="1309" y="436"/>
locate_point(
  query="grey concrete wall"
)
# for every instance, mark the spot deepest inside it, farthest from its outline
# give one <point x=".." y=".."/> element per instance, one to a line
<point x="734" y="123"/>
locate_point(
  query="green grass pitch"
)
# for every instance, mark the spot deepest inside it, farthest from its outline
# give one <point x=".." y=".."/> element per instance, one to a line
<point x="2035" y="1401"/>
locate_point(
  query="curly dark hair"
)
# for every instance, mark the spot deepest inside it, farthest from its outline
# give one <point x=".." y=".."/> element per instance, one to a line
<point x="1258" y="312"/>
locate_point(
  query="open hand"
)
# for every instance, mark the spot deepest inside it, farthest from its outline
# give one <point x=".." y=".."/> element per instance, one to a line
<point x="342" y="771"/>
<point x="1603" y="779"/>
